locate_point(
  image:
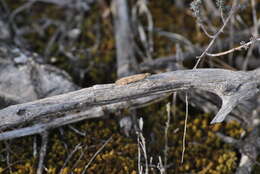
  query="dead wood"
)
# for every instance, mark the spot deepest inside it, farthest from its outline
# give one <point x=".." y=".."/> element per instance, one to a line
<point x="232" y="87"/>
<point x="126" y="61"/>
<point x="173" y="60"/>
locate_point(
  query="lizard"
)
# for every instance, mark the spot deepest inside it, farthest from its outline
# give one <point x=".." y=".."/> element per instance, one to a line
<point x="132" y="79"/>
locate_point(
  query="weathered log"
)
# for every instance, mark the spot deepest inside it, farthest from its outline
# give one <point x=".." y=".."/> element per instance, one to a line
<point x="231" y="86"/>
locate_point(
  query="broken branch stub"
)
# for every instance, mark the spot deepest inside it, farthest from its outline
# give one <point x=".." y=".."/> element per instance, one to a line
<point x="229" y="101"/>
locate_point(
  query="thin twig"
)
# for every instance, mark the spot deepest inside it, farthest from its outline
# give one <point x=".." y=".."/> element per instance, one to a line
<point x="233" y="10"/>
<point x="205" y="31"/>
<point x="166" y="147"/>
<point x="140" y="169"/>
<point x="185" y="127"/>
<point x="8" y="156"/>
<point x="255" y="34"/>
<point x="227" y="139"/>
<point x="12" y="164"/>
<point x="246" y="45"/>
<point x="254" y="14"/>
<point x="42" y="151"/>
<point x="141" y="8"/>
<point x="83" y="150"/>
<point x="97" y="152"/>
<point x="231" y="41"/>
<point x="77" y="147"/>
<point x="160" y="166"/>
<point x="18" y="10"/>
<point x="35" y="146"/>
<point x="141" y="148"/>
<point x="77" y="131"/>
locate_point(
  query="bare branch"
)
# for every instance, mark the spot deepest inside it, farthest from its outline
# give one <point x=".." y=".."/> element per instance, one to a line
<point x="233" y="10"/>
<point x="126" y="61"/>
<point x="163" y="62"/>
<point x="232" y="87"/>
<point x="234" y="49"/>
<point x="96" y="112"/>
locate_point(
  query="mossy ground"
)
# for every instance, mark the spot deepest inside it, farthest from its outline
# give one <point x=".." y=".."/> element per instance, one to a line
<point x="205" y="152"/>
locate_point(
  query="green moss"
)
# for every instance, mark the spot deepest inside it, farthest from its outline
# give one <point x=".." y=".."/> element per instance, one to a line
<point x="205" y="152"/>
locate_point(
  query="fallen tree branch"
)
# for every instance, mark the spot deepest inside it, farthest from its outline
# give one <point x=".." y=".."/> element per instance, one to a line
<point x="96" y="112"/>
<point x="231" y="86"/>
